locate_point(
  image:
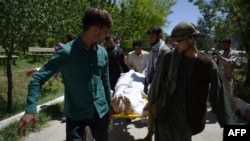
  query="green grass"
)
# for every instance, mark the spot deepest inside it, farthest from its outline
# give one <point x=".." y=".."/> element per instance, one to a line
<point x="52" y="112"/>
<point x="50" y="90"/>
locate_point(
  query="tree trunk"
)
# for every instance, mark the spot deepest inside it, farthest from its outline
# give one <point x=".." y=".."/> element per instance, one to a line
<point x="9" y="77"/>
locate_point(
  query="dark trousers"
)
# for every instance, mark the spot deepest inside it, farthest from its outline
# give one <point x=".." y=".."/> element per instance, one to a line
<point x="168" y="130"/>
<point x="99" y="126"/>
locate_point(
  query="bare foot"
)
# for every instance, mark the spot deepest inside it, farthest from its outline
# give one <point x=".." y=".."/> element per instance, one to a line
<point x="115" y="104"/>
<point x="127" y="109"/>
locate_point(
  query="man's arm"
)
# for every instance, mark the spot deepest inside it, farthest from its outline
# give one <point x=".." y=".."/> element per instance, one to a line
<point x="38" y="79"/>
<point x="106" y="83"/>
<point x="218" y="99"/>
<point x="228" y="61"/>
<point x="158" y="79"/>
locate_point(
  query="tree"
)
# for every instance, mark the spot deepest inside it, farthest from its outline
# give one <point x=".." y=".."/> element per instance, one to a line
<point x="13" y="26"/>
<point x="133" y="18"/>
<point x="227" y="18"/>
<point x="25" y="23"/>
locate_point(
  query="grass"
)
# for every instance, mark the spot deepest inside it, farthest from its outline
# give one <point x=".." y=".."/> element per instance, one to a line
<point x="51" y="89"/>
<point x="50" y="113"/>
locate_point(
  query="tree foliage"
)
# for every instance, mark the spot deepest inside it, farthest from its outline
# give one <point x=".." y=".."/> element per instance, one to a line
<point x="227" y="18"/>
<point x="25" y="23"/>
<point x="133" y="18"/>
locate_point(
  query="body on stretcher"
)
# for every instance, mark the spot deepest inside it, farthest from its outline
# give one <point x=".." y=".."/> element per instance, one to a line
<point x="142" y="116"/>
<point x="128" y="99"/>
<point x="132" y="115"/>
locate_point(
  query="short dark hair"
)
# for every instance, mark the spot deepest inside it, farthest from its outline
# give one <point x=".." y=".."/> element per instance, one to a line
<point x="96" y="16"/>
<point x="226" y="40"/>
<point x="155" y="30"/>
<point x="137" y="43"/>
<point x="107" y="38"/>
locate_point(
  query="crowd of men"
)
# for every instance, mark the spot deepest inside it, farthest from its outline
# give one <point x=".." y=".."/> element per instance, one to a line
<point x="179" y="80"/>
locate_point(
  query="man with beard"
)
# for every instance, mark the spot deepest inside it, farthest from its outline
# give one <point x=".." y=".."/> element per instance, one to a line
<point x="184" y="79"/>
<point x="226" y="59"/>
<point x="158" y="47"/>
<point x="117" y="63"/>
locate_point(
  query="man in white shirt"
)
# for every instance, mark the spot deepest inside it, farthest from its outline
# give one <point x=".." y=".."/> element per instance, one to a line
<point x="137" y="59"/>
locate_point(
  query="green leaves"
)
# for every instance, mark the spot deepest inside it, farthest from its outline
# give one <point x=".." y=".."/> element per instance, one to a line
<point x="34" y="21"/>
<point x="133" y="18"/>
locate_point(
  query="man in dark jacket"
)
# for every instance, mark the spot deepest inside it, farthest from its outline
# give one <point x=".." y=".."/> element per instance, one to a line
<point x="182" y="82"/>
<point x="117" y="63"/>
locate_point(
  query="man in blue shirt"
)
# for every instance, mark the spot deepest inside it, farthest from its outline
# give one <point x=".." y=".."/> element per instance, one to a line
<point x="84" y="67"/>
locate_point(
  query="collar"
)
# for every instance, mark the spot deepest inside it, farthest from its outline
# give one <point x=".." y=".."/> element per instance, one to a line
<point x="82" y="45"/>
<point x="157" y="45"/>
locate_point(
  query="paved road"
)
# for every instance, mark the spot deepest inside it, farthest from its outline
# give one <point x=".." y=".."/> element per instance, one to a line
<point x="124" y="131"/>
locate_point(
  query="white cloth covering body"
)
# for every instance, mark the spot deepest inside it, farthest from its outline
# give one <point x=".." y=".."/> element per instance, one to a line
<point x="131" y="85"/>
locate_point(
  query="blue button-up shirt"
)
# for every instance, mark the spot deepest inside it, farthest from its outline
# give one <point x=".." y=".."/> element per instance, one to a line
<point x="85" y="76"/>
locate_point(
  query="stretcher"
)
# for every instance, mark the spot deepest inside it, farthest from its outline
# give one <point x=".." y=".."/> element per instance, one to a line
<point x="143" y="117"/>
